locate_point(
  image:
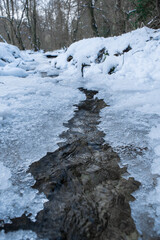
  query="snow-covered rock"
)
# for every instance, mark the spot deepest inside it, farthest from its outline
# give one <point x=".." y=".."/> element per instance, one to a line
<point x="8" y="53"/>
<point x="13" y="62"/>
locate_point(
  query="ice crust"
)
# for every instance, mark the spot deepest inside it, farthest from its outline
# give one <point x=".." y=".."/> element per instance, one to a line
<point x="19" y="235"/>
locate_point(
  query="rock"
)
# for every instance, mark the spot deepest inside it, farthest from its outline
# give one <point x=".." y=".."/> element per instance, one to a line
<point x="100" y="56"/>
<point x="127" y="49"/>
<point x="51" y="56"/>
<point x="69" y="58"/>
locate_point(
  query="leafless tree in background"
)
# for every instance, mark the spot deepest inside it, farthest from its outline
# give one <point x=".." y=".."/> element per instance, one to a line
<point x="158" y="7"/>
<point x="12" y="14"/>
<point x="31" y="24"/>
<point x="91" y="7"/>
<point x="53" y="24"/>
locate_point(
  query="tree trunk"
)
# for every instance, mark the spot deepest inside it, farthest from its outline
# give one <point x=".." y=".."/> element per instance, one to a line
<point x="93" y="20"/>
<point x="75" y="29"/>
<point x="158" y="7"/>
<point x="35" y="26"/>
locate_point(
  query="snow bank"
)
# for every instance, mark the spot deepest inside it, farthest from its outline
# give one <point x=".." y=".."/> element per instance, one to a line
<point x="13" y="62"/>
<point x="8" y="53"/>
<point x="128" y="77"/>
<point x="87" y="49"/>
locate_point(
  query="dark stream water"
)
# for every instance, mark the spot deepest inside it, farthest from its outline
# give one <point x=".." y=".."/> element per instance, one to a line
<point x="88" y="198"/>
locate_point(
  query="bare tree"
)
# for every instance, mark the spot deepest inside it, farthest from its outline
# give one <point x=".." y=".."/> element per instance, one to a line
<point x="31" y="15"/>
<point x="91" y="8"/>
<point x="12" y="19"/>
<point x="54" y="24"/>
<point x="158" y="7"/>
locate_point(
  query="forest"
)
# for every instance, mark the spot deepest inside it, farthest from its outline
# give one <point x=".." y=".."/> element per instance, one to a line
<point x="55" y="24"/>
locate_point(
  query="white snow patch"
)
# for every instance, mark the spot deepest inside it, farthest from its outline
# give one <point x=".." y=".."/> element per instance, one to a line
<point x="14" y="62"/>
<point x="155" y="132"/>
<point x="17" y="72"/>
<point x="5" y="175"/>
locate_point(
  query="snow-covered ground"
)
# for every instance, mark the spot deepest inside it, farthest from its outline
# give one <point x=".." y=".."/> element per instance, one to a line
<point x="33" y="109"/>
<point x="32" y="112"/>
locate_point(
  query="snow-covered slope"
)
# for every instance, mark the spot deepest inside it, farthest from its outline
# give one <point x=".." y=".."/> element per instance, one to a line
<point x="127" y="76"/>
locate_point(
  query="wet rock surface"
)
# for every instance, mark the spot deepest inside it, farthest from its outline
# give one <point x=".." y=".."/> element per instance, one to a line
<point x="88" y="197"/>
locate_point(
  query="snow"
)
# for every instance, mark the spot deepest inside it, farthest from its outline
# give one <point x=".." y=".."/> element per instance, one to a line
<point x="38" y="97"/>
<point x="4" y="177"/>
<point x="13" y="62"/>
<point x="9" y="52"/>
<point x="19" y="235"/>
<point x="17" y="72"/>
